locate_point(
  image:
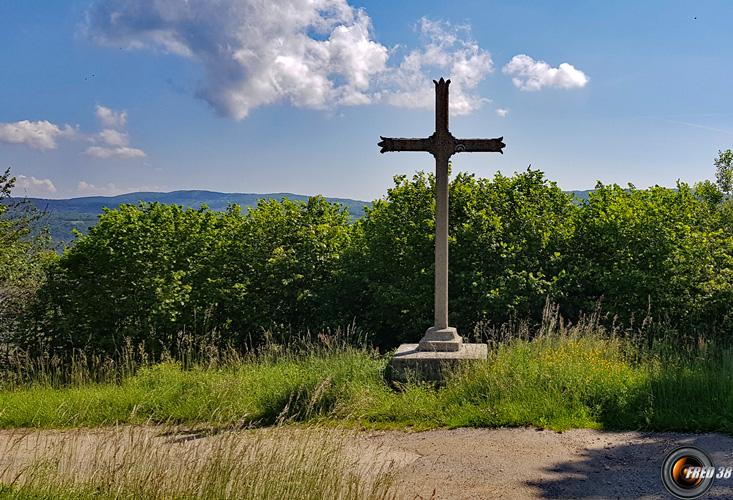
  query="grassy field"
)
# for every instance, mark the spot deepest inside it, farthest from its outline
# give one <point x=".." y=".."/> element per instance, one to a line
<point x="558" y="380"/>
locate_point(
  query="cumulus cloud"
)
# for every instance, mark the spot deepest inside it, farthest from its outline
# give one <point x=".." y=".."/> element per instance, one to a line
<point x="110" y="117"/>
<point x="502" y="112"/>
<point x="33" y="186"/>
<point x="113" y="137"/>
<point x="112" y="142"/>
<point x="311" y="53"/>
<point x="110" y="189"/>
<point x="529" y="74"/>
<point x="446" y="49"/>
<point x="114" y="152"/>
<point x="90" y="189"/>
<point x="40" y="134"/>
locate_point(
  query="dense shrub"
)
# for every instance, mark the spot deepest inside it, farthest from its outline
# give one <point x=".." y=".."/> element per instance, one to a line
<point x="24" y="255"/>
<point x="152" y="272"/>
<point x="507" y="235"/>
<point x="277" y="267"/>
<point x="133" y="275"/>
<point x="657" y="254"/>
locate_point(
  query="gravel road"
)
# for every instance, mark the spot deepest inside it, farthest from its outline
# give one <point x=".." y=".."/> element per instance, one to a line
<point x="531" y="463"/>
<point x="461" y="463"/>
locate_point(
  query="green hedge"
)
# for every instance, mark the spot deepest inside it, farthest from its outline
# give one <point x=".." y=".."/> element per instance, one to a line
<point x="151" y="272"/>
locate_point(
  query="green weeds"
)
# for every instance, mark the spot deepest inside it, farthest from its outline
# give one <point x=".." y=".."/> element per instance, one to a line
<point x="556" y="380"/>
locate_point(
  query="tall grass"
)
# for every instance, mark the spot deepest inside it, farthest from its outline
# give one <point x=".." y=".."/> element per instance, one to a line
<point x="557" y="376"/>
<point x="130" y="463"/>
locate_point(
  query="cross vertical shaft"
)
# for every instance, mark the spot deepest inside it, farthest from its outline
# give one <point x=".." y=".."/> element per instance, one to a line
<point x="442" y="145"/>
<point x="441" y="207"/>
<point x="441" y="243"/>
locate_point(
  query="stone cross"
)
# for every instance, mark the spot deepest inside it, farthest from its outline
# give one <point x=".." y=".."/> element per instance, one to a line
<point x="442" y="145"/>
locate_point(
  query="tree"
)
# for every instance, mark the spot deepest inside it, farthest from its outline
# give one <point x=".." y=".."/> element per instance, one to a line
<point x="656" y="252"/>
<point x="709" y="193"/>
<point x="507" y="236"/>
<point x="152" y="272"/>
<point x="724" y="171"/>
<point x="24" y="256"/>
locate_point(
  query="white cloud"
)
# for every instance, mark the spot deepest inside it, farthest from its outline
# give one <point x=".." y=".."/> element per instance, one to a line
<point x="528" y="74"/>
<point x="502" y="112"/>
<point x="38" y="135"/>
<point x="113" y="137"/>
<point x="310" y="53"/>
<point x="111" y="189"/>
<point x="90" y="189"/>
<point x="33" y="186"/>
<point x="463" y="61"/>
<point x="111" y="118"/>
<point x="113" y="141"/>
<point x="114" y="152"/>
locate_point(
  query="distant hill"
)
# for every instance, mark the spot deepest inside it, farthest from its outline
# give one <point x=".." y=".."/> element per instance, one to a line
<point x="581" y="195"/>
<point x="62" y="216"/>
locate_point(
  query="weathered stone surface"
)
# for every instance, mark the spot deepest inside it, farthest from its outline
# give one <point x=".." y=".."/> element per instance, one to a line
<point x="410" y="363"/>
<point x="440" y="339"/>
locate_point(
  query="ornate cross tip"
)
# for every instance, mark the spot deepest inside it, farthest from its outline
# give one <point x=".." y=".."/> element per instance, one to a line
<point x="499" y="142"/>
<point x="442" y="81"/>
<point x="383" y="144"/>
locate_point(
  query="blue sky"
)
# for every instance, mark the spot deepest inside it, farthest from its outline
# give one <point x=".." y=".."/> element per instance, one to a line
<point x="112" y="96"/>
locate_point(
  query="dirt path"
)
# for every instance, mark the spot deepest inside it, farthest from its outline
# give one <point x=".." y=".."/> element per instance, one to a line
<point x="461" y="463"/>
<point x="529" y="463"/>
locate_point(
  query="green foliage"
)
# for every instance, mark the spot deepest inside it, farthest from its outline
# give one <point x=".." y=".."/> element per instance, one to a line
<point x="724" y="171"/>
<point x="509" y="238"/>
<point x="132" y="276"/>
<point x="64" y="216"/>
<point x="507" y="235"/>
<point x="153" y="271"/>
<point x="649" y="257"/>
<point x="651" y="254"/>
<point x="275" y="267"/>
<point x="562" y="379"/>
<point x="709" y="193"/>
<point x="24" y="257"/>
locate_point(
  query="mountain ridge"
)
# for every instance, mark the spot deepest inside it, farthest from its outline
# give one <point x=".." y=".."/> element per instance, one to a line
<point x="64" y="215"/>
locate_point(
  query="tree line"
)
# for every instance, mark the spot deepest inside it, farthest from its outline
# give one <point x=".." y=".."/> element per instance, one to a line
<point x="653" y="260"/>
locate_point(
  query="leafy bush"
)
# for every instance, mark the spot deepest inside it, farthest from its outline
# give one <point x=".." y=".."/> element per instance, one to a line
<point x="277" y="267"/>
<point x="506" y="241"/>
<point x="24" y="256"/>
<point x="657" y="259"/>
<point x="658" y="254"/>
<point x="151" y="272"/>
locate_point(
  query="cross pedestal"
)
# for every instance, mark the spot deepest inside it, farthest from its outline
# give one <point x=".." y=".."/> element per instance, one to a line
<point x="441" y="347"/>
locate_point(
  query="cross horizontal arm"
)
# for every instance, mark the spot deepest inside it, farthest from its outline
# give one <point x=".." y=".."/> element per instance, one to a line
<point x="479" y="145"/>
<point x="402" y="144"/>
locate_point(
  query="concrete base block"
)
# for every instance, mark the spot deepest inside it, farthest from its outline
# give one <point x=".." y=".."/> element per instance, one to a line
<point x="441" y="339"/>
<point x="411" y="364"/>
